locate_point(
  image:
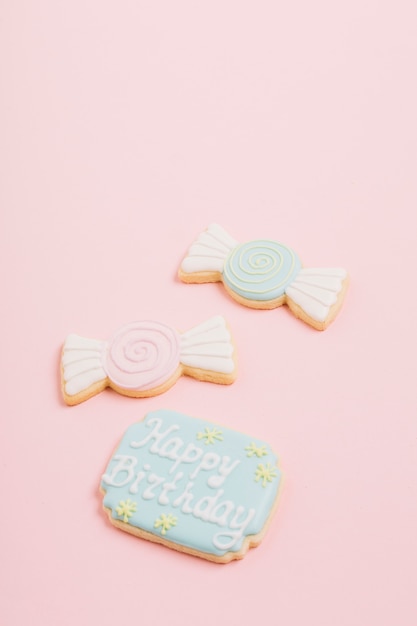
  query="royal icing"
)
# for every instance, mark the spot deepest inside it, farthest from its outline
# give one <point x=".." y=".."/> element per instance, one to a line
<point x="143" y="355"/>
<point x="316" y="290"/>
<point x="203" y="487"/>
<point x="264" y="271"/>
<point x="260" y="270"/>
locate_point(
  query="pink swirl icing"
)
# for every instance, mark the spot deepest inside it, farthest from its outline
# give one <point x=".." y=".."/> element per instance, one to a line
<point x="142" y="355"/>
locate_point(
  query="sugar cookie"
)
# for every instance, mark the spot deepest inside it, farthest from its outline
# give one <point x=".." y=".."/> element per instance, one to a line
<point x="192" y="486"/>
<point x="145" y="359"/>
<point x="264" y="274"/>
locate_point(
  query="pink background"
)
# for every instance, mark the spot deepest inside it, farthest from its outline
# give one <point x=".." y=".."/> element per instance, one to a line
<point x="126" y="128"/>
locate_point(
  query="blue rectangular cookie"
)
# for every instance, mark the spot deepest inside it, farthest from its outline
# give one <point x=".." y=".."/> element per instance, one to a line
<point x="191" y="485"/>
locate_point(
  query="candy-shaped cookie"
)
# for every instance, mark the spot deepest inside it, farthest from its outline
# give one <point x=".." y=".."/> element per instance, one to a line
<point x="191" y="485"/>
<point x="145" y="359"/>
<point x="264" y="274"/>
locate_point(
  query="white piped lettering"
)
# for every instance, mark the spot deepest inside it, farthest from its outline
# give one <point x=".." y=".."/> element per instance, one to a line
<point x="209" y="461"/>
<point x="126" y="464"/>
<point x="185" y="498"/>
<point x="155" y="435"/>
<point x="224" y="471"/>
<point x="234" y="535"/>
<point x="154" y="482"/>
<point x="167" y="487"/>
<point x="209" y="468"/>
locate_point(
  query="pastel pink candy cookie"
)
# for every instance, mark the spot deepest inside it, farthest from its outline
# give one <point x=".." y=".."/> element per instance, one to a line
<point x="142" y="355"/>
<point x="146" y="358"/>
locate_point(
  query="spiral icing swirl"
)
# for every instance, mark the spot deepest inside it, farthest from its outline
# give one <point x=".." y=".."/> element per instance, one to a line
<point x="142" y="355"/>
<point x="261" y="269"/>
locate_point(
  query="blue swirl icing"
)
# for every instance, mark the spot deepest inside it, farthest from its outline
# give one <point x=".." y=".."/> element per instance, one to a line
<point x="261" y="269"/>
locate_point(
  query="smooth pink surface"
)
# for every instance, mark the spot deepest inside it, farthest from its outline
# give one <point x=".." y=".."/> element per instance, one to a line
<point x="126" y="128"/>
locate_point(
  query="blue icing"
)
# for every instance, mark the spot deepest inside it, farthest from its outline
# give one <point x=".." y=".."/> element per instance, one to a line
<point x="260" y="269"/>
<point x="212" y="494"/>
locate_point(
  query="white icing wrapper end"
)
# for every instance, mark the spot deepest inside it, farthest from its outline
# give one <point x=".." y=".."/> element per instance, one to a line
<point x="209" y="251"/>
<point x="317" y="290"/>
<point x="208" y="346"/>
<point x="82" y="363"/>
